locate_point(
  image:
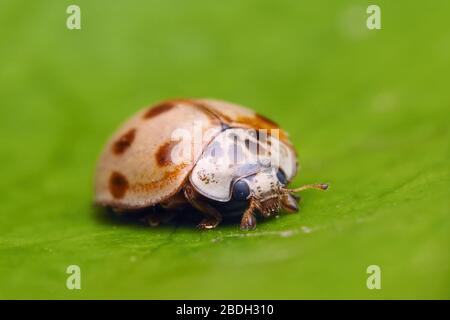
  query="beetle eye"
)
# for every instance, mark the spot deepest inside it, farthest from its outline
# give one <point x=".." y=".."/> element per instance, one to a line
<point x="241" y="191"/>
<point x="282" y="177"/>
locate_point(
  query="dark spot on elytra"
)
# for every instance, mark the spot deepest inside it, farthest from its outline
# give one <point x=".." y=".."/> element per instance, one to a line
<point x="164" y="154"/>
<point x="159" y="109"/>
<point x="118" y="185"/>
<point x="124" y="142"/>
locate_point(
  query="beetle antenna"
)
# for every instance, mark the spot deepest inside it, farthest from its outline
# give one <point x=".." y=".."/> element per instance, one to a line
<point x="318" y="186"/>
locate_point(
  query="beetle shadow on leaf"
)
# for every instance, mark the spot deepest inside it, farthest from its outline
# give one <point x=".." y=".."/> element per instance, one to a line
<point x="139" y="218"/>
<point x="187" y="218"/>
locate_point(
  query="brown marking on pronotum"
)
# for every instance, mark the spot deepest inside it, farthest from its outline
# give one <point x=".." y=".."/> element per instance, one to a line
<point x="164" y="154"/>
<point x="159" y="109"/>
<point x="124" y="142"/>
<point x="118" y="185"/>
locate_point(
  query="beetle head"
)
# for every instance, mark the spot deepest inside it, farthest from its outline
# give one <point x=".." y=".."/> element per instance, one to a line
<point x="264" y="189"/>
<point x="268" y="193"/>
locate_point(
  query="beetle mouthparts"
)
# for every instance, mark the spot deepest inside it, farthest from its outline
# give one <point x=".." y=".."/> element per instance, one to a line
<point x="269" y="207"/>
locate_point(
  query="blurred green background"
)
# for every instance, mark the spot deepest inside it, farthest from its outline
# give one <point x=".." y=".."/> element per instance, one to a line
<point x="367" y="110"/>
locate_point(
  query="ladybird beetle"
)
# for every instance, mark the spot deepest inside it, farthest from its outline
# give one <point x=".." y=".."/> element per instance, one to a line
<point x="214" y="156"/>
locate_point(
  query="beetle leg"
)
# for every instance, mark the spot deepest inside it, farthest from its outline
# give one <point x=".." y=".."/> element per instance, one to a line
<point x="169" y="210"/>
<point x="248" y="221"/>
<point x="176" y="202"/>
<point x="153" y="220"/>
<point x="213" y="216"/>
